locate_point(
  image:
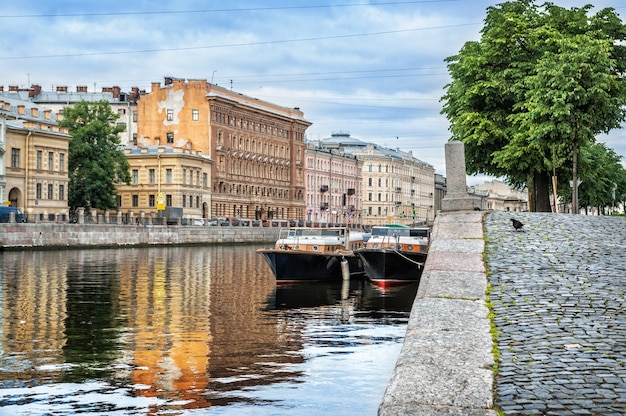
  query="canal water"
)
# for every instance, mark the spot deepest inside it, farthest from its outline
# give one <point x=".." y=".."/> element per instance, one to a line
<point x="189" y="331"/>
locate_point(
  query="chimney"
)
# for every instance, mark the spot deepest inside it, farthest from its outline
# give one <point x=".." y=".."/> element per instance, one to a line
<point x="1" y="88"/>
<point x="169" y="80"/>
<point x="13" y="88"/>
<point x="61" y="88"/>
<point x="34" y="91"/>
<point x="34" y="112"/>
<point x="81" y="88"/>
<point x="116" y="92"/>
<point x="156" y="86"/>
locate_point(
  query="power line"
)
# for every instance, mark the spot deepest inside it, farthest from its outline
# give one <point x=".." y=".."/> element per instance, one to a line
<point x="271" y="42"/>
<point x="248" y="9"/>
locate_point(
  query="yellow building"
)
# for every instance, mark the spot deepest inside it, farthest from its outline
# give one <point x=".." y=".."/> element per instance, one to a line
<point x="34" y="165"/>
<point x="257" y="147"/>
<point x="181" y="177"/>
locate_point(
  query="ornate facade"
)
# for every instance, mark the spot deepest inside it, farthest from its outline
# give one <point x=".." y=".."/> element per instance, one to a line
<point x="396" y="186"/>
<point x="33" y="161"/>
<point x="333" y="187"/>
<point x="257" y="147"/>
<point x="180" y="176"/>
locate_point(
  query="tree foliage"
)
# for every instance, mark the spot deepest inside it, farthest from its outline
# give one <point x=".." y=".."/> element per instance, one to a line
<point x="95" y="162"/>
<point x="541" y="82"/>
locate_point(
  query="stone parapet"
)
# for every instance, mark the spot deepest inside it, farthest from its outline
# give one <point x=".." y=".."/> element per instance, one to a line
<point x="59" y="236"/>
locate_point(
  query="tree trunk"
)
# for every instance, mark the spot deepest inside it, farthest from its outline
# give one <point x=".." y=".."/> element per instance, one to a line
<point x="539" y="199"/>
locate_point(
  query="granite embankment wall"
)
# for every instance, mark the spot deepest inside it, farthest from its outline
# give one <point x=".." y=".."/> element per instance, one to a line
<point x="71" y="236"/>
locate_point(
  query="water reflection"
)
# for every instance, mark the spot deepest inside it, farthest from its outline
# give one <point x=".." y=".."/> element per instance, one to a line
<point x="169" y="330"/>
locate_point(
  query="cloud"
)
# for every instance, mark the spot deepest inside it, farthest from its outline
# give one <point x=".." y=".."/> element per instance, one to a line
<point x="375" y="69"/>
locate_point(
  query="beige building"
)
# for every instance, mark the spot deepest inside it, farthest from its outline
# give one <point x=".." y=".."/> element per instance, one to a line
<point x="34" y="161"/>
<point x="333" y="186"/>
<point x="396" y="187"/>
<point x="257" y="147"/>
<point x="180" y="176"/>
<point x="498" y="196"/>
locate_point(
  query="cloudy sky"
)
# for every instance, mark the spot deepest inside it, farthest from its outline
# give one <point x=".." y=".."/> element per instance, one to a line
<point x="372" y="68"/>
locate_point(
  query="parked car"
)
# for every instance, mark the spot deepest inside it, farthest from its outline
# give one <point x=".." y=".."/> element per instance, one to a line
<point x="6" y="211"/>
<point x="256" y="223"/>
<point x="223" y="221"/>
<point x="212" y="221"/>
<point x="198" y="221"/>
<point x="235" y="221"/>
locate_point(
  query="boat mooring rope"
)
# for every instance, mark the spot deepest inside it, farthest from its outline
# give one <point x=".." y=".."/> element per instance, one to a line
<point x="420" y="264"/>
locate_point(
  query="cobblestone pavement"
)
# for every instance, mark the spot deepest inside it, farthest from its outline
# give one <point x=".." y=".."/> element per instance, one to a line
<point x="559" y="302"/>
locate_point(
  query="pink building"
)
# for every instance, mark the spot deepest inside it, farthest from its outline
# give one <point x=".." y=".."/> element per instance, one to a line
<point x="333" y="183"/>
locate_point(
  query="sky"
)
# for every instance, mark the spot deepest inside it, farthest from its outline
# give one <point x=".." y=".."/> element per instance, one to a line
<point x="374" y="69"/>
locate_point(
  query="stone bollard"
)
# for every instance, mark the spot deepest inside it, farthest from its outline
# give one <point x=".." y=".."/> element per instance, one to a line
<point x="457" y="198"/>
<point x="119" y="217"/>
<point x="81" y="215"/>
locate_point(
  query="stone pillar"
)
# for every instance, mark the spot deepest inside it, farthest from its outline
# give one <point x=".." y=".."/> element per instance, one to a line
<point x="81" y="215"/>
<point x="107" y="215"/>
<point x="457" y="198"/>
<point x="119" y="217"/>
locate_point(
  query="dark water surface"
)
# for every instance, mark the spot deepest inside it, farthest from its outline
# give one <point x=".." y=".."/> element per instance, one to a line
<point x="189" y="331"/>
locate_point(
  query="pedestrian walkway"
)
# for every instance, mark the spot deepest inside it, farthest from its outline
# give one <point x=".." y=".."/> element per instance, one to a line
<point x="557" y="289"/>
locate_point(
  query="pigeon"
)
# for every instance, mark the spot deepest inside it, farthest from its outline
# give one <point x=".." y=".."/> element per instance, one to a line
<point x="516" y="224"/>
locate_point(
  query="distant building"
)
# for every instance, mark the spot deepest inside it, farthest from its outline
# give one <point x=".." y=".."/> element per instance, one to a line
<point x="122" y="103"/>
<point x="182" y="177"/>
<point x="33" y="160"/>
<point x="396" y="187"/>
<point x="333" y="186"/>
<point x="498" y="196"/>
<point x="257" y="147"/>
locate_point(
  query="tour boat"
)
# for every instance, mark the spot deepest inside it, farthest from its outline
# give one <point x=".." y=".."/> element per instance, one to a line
<point x="307" y="254"/>
<point x="395" y="254"/>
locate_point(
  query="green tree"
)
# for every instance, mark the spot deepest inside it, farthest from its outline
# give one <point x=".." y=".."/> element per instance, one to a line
<point x="542" y="81"/>
<point x="603" y="178"/>
<point x="95" y="162"/>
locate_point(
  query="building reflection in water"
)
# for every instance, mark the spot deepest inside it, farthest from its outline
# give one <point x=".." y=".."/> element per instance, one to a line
<point x="189" y="327"/>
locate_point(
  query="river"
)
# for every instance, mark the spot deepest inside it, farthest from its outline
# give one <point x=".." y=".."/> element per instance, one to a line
<point x="200" y="330"/>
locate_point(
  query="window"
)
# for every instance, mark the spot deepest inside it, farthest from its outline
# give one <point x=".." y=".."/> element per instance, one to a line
<point x="38" y="191"/>
<point x="15" y="158"/>
<point x="184" y="201"/>
<point x="370" y="181"/>
<point x="170" y="137"/>
<point x="135" y="201"/>
<point x="195" y="114"/>
<point x="168" y="200"/>
<point x="184" y="176"/>
<point x="122" y="125"/>
<point x="134" y="116"/>
<point x="151" y="200"/>
<point x="152" y="175"/>
<point x="135" y="176"/>
<point x="61" y="192"/>
<point x="61" y="162"/>
<point x="170" y="114"/>
<point x="168" y="177"/>
<point x="50" y="191"/>
<point x="204" y="180"/>
<point x="50" y="160"/>
<point x="38" y="159"/>
<point x="369" y="196"/>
